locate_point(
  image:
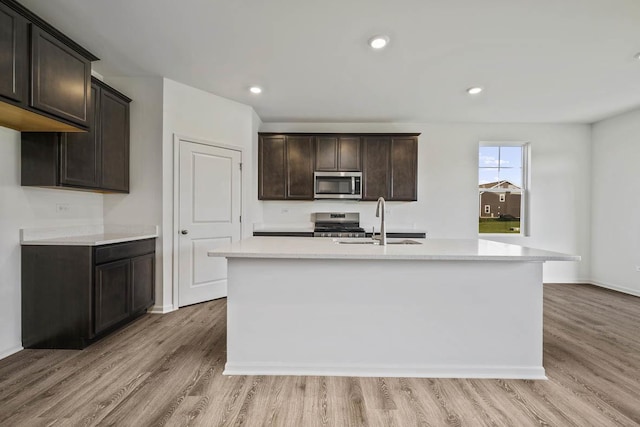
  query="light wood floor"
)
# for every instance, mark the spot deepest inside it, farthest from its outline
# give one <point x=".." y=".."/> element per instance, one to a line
<point x="166" y="370"/>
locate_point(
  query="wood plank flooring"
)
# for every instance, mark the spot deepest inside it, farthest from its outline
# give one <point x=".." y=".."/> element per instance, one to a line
<point x="166" y="370"/>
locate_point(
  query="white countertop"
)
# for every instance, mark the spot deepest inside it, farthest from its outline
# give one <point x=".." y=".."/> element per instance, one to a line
<point x="429" y="249"/>
<point x="86" y="235"/>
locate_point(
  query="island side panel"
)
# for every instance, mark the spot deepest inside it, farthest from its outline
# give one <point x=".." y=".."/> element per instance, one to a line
<point x="464" y="319"/>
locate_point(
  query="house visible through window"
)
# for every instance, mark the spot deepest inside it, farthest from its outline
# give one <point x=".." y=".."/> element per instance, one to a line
<point x="502" y="187"/>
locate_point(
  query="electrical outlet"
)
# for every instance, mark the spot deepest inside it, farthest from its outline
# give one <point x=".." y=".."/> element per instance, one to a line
<point x="63" y="208"/>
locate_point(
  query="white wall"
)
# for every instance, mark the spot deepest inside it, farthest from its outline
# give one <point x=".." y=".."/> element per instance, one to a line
<point x="22" y="207"/>
<point x="447" y="204"/>
<point x="193" y="113"/>
<point x="143" y="204"/>
<point x="615" y="181"/>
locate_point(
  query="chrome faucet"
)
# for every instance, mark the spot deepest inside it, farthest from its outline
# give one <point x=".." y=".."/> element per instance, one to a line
<point x="380" y="214"/>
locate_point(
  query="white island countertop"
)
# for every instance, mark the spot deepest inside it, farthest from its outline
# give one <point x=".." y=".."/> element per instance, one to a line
<point x="429" y="249"/>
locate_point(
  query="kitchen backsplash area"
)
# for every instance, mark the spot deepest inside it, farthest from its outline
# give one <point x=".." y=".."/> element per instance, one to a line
<point x="297" y="215"/>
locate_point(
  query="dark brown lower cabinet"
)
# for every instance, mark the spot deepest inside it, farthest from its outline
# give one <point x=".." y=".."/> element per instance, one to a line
<point x="113" y="283"/>
<point x="74" y="295"/>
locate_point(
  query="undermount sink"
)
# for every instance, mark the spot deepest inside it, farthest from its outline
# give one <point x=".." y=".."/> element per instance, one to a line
<point x="403" y="242"/>
<point x="361" y="241"/>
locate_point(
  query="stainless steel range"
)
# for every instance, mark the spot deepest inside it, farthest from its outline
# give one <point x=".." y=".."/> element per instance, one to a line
<point x="337" y="224"/>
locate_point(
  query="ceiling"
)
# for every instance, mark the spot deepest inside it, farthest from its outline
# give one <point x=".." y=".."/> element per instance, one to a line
<point x="567" y="61"/>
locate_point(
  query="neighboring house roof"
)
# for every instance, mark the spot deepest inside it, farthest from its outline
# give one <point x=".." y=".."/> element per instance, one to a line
<point x="500" y="184"/>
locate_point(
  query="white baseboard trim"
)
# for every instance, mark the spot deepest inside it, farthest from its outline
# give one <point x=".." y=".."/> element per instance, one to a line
<point x="161" y="309"/>
<point x="486" y="372"/>
<point x="9" y="352"/>
<point x="613" y="287"/>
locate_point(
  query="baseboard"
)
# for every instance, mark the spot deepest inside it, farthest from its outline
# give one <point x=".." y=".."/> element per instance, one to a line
<point x="10" y="351"/>
<point x="161" y="309"/>
<point x="486" y="372"/>
<point x="613" y="287"/>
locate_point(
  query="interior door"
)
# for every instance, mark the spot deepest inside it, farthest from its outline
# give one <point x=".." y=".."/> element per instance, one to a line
<point x="209" y="217"/>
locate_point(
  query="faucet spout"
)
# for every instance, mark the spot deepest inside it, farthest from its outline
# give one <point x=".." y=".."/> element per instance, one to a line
<point x="380" y="208"/>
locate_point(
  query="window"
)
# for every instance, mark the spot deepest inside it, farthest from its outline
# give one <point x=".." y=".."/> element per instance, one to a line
<point x="502" y="187"/>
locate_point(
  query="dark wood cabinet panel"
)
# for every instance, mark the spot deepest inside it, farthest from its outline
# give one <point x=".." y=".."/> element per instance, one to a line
<point x="97" y="160"/>
<point x="375" y="166"/>
<point x="112" y="287"/>
<point x="114" y="135"/>
<point x="80" y="160"/>
<point x="56" y="296"/>
<point x="327" y="153"/>
<point x="142" y="282"/>
<point x="404" y="169"/>
<point x="299" y="163"/>
<point x="338" y="153"/>
<point x="349" y="154"/>
<point x="60" y="78"/>
<point x="13" y="55"/>
<point x="272" y="170"/>
<point x="74" y="295"/>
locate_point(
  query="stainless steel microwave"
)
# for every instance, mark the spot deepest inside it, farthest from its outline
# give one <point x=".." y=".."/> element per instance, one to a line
<point x="337" y="185"/>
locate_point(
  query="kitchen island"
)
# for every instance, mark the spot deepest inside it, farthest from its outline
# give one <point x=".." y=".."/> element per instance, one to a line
<point x="441" y="308"/>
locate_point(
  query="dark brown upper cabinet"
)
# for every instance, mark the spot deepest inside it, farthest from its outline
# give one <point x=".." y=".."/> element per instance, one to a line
<point x="60" y="79"/>
<point x="404" y="169"/>
<point x="285" y="167"/>
<point x="300" y="162"/>
<point x="44" y="75"/>
<point x="114" y="135"/>
<point x="272" y="168"/>
<point x="390" y="168"/>
<point x="13" y="55"/>
<point x="389" y="163"/>
<point x="376" y="175"/>
<point x="338" y="153"/>
<point x="97" y="160"/>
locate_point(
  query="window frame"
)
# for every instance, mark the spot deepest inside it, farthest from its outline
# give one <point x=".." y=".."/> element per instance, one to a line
<point x="526" y="178"/>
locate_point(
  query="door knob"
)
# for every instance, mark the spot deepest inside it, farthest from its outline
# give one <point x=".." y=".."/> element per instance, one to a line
<point x="184" y="231"/>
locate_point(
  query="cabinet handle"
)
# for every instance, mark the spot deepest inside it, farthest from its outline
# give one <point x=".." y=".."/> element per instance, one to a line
<point x="184" y="231"/>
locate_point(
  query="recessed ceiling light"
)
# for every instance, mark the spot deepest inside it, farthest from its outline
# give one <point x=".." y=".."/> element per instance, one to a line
<point x="474" y="90"/>
<point x="378" y="42"/>
<point x="255" y="89"/>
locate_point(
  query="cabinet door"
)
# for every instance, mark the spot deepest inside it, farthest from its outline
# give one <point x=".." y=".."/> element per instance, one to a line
<point x="142" y="282"/>
<point x="80" y="159"/>
<point x="375" y="166"/>
<point x="300" y="162"/>
<point x="13" y="55"/>
<point x="114" y="132"/>
<point x="327" y="153"/>
<point x="111" y="293"/>
<point x="272" y="168"/>
<point x="60" y="78"/>
<point x="349" y="153"/>
<point x="404" y="169"/>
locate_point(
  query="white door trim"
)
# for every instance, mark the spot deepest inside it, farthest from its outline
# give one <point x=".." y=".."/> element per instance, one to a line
<point x="176" y="201"/>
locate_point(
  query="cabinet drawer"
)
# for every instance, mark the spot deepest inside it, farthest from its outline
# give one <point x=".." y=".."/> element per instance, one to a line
<point x="118" y="251"/>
